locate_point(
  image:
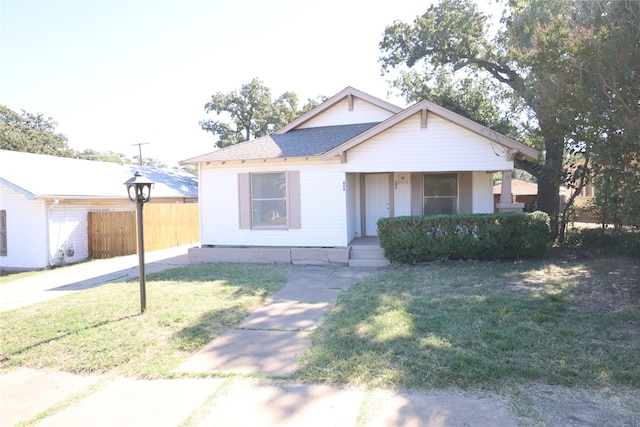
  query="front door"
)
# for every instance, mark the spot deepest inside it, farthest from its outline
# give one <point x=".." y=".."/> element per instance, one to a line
<point x="376" y="195"/>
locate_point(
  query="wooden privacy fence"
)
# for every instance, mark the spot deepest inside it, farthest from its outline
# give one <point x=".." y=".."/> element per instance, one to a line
<point x="166" y="225"/>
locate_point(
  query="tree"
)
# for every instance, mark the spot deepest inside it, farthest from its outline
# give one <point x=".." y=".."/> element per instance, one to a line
<point x="252" y="111"/>
<point x="104" y="156"/>
<point x="615" y="75"/>
<point x="534" y="57"/>
<point x="31" y="133"/>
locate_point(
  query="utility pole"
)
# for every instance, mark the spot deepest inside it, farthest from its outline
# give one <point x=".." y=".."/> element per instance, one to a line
<point x="140" y="144"/>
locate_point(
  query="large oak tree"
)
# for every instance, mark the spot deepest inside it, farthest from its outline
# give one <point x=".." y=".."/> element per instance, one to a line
<point x="540" y="63"/>
<point x="251" y="112"/>
<point x="31" y="133"/>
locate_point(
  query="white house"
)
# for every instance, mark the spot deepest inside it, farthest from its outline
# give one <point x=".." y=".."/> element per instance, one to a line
<point x="325" y="179"/>
<point x="44" y="201"/>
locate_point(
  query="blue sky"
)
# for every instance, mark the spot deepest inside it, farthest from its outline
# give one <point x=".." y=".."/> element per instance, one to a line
<point x="117" y="73"/>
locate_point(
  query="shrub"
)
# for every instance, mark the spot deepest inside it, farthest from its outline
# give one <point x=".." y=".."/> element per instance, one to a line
<point x="612" y="241"/>
<point x="482" y="236"/>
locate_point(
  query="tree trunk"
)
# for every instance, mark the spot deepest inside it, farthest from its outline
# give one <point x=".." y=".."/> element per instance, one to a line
<point x="549" y="181"/>
<point x="549" y="178"/>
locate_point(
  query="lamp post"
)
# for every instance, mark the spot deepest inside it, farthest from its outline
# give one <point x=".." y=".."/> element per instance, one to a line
<point x="139" y="191"/>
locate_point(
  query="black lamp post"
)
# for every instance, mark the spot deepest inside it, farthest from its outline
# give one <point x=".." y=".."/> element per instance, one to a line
<point x="139" y="191"/>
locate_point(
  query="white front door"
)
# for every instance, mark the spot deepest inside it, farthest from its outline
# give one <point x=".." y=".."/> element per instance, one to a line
<point x="376" y="195"/>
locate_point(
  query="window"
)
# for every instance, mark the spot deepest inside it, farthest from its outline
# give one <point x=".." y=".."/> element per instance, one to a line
<point x="3" y="233"/>
<point x="440" y="194"/>
<point x="269" y="199"/>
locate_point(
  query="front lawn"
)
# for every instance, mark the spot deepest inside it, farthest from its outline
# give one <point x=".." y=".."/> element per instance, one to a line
<point x="557" y="339"/>
<point x="485" y="325"/>
<point x="100" y="330"/>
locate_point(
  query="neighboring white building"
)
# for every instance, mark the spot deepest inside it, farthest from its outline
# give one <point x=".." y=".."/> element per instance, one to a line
<point x="44" y="201"/>
<point x="328" y="176"/>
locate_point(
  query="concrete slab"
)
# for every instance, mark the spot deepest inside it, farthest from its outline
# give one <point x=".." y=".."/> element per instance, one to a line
<point x="308" y="276"/>
<point x="390" y="409"/>
<point x="357" y="272"/>
<point x="290" y="316"/>
<point x="250" y="352"/>
<point x="24" y="393"/>
<point x="290" y="293"/>
<point x="130" y="402"/>
<point x="337" y="282"/>
<point x="290" y="405"/>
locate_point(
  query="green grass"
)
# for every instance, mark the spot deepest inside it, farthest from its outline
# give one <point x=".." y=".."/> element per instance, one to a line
<point x="484" y="325"/>
<point x="100" y="330"/>
<point x="437" y="325"/>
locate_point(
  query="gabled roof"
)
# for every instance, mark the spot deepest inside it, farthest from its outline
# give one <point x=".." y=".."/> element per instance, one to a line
<point x="295" y="143"/>
<point x="331" y="141"/>
<point x="514" y="146"/>
<point x="41" y="176"/>
<point x="346" y="92"/>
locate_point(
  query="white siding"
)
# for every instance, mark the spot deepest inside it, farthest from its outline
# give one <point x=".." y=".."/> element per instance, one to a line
<point x="339" y="114"/>
<point x="323" y="206"/>
<point x="37" y="229"/>
<point x="441" y="146"/>
<point x="26" y="230"/>
<point x="482" y="192"/>
<point x="402" y="194"/>
<point x="69" y="228"/>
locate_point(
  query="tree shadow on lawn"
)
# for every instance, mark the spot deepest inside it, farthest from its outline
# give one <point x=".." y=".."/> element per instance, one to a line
<point x="484" y="324"/>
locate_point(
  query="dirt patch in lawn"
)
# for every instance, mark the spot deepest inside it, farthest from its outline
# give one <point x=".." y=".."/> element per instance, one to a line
<point x="560" y="406"/>
<point x="599" y="285"/>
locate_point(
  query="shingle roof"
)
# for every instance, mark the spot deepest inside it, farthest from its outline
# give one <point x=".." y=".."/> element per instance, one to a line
<point x="48" y="176"/>
<point x="295" y="143"/>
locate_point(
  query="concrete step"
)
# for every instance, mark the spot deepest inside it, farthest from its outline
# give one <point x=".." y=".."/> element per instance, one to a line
<point x="369" y="262"/>
<point x="366" y="254"/>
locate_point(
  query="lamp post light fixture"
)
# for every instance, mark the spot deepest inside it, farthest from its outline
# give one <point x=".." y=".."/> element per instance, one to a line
<point x="139" y="191"/>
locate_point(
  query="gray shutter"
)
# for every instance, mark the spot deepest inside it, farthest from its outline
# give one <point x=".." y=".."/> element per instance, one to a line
<point x="244" y="200"/>
<point x="466" y="192"/>
<point x="417" y="193"/>
<point x="295" y="210"/>
<point x="3" y="233"/>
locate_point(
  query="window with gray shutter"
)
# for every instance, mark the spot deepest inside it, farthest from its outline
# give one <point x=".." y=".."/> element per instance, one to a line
<point x="3" y="233"/>
<point x="269" y="200"/>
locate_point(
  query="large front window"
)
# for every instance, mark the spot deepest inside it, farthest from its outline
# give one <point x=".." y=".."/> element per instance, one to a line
<point x="269" y="199"/>
<point x="440" y="194"/>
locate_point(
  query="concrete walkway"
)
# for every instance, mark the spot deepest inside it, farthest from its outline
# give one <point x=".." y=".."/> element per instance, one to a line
<point x="253" y="360"/>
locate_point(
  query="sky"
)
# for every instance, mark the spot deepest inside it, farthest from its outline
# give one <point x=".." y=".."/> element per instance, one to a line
<point x="117" y="73"/>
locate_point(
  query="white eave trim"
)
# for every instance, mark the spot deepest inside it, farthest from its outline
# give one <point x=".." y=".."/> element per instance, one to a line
<point x="18" y="189"/>
<point x="347" y="92"/>
<point x="444" y="113"/>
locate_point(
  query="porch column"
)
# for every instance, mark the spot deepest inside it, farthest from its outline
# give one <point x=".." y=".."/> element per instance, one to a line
<point x="506" y="199"/>
<point x="505" y="195"/>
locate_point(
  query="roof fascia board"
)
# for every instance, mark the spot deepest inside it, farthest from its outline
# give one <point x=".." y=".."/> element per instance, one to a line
<point x="17" y="189"/>
<point x="247" y="162"/>
<point x="482" y="130"/>
<point x="348" y="91"/>
<point x="446" y="114"/>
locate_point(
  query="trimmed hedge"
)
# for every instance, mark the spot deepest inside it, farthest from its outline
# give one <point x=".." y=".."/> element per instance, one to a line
<point x="413" y="239"/>
<point x="610" y="241"/>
